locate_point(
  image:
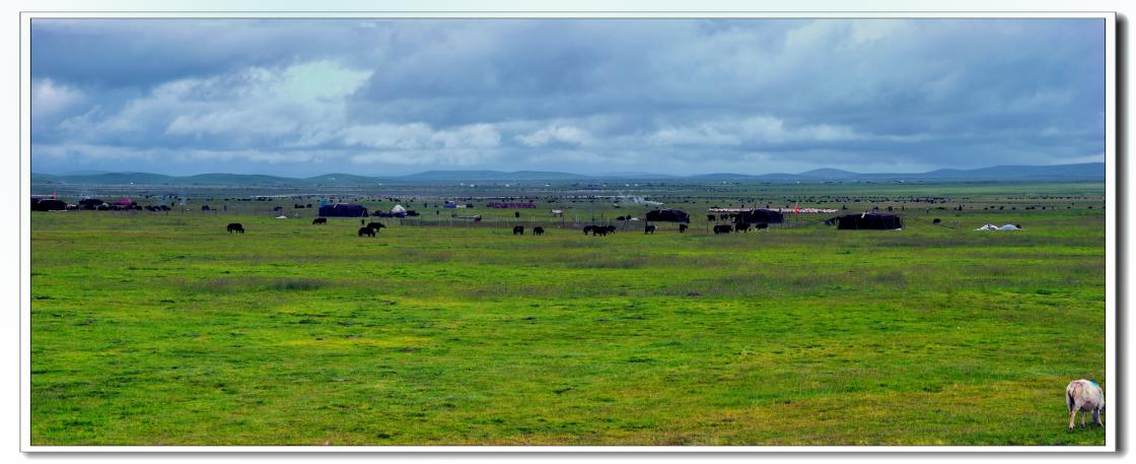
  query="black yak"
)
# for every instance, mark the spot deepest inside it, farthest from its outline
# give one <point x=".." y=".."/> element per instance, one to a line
<point x="649" y="229"/>
<point x="235" y="227"/>
<point x="538" y="230"/>
<point x="318" y="221"/>
<point x="602" y="230"/>
<point x="366" y="231"/>
<point x="681" y="228"/>
<point x="519" y="230"/>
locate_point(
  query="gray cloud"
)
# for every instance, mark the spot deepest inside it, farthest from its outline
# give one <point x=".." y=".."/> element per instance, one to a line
<point x="675" y="96"/>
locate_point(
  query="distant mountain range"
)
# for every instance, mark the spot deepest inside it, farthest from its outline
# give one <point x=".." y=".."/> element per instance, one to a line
<point x="1065" y="172"/>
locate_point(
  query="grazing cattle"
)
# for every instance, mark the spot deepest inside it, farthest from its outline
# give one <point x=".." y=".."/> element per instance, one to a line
<point x="375" y="226"/>
<point x="538" y="230"/>
<point x="649" y="229"/>
<point x="602" y="230"/>
<point x="681" y="228"/>
<point x="1084" y="396"/>
<point x="318" y="221"/>
<point x="519" y="230"/>
<point x="588" y="229"/>
<point x="366" y="231"/>
<point x="743" y="227"/>
<point x="723" y="229"/>
<point x="761" y="226"/>
<point x="936" y="221"/>
<point x="235" y="227"/>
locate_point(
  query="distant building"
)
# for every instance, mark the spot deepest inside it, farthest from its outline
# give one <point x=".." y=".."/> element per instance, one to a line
<point x="510" y="205"/>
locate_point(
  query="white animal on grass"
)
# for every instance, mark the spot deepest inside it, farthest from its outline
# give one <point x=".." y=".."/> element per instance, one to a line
<point x="1084" y="396"/>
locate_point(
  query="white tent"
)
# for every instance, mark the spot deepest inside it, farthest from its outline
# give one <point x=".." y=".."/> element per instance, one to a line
<point x="398" y="209"/>
<point x="1006" y="227"/>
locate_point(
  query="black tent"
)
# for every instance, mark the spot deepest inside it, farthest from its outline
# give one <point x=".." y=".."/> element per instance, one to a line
<point x="875" y="221"/>
<point x="668" y="215"/>
<point x="758" y="216"/>
<point x="47" y="204"/>
<point x="90" y="203"/>
<point x="343" y="210"/>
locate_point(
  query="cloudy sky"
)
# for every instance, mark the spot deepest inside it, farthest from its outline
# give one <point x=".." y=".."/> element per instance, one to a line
<point x="308" y="97"/>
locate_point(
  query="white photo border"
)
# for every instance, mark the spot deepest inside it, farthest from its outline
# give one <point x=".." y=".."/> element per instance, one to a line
<point x="1112" y="205"/>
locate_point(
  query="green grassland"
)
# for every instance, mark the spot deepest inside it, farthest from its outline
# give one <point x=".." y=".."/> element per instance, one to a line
<point x="162" y="329"/>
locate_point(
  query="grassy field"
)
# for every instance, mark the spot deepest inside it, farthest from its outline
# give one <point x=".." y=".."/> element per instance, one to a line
<point x="154" y="329"/>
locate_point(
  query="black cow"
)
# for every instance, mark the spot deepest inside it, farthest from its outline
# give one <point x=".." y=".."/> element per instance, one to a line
<point x="588" y="229"/>
<point x="681" y="228"/>
<point x="602" y="230"/>
<point x="743" y="227"/>
<point x="366" y="231"/>
<point x="235" y="227"/>
<point x="649" y="229"/>
<point x="519" y="230"/>
<point x="375" y="226"/>
<point x="761" y="226"/>
<point x="538" y="230"/>
<point x="318" y="221"/>
<point x="723" y="229"/>
<point x="936" y="221"/>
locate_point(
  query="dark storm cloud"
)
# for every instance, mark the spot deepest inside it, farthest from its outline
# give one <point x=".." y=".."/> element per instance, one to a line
<point x="675" y="96"/>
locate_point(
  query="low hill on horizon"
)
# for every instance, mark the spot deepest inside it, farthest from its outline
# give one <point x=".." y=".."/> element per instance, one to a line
<point x="1066" y="172"/>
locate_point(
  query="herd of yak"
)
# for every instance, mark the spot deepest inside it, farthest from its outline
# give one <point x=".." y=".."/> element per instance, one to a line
<point x="371" y="229"/>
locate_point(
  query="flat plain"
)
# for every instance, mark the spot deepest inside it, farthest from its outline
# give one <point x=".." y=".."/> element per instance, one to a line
<point x="163" y="329"/>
